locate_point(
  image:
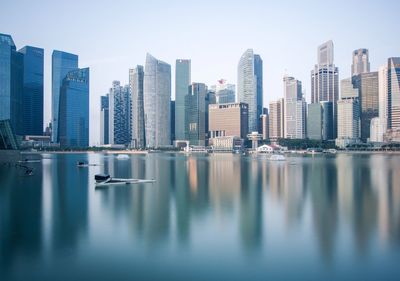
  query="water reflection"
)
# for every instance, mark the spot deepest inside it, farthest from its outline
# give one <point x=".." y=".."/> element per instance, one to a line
<point x="341" y="206"/>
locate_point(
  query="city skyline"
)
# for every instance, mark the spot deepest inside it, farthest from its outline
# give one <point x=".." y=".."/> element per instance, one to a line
<point x="109" y="62"/>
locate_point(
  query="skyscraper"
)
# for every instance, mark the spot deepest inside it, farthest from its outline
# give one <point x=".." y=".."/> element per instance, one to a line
<point x="360" y="62"/>
<point x="32" y="97"/>
<point x="104" y="120"/>
<point x="327" y="120"/>
<point x="394" y="93"/>
<point x="182" y="83"/>
<point x="11" y="81"/>
<point x="61" y="64"/>
<point x="314" y="121"/>
<point x="348" y="119"/>
<point x="224" y="92"/>
<point x="236" y="113"/>
<point x="348" y="113"/>
<point x="383" y="96"/>
<point x="136" y="77"/>
<point x="295" y="110"/>
<point x="157" y="97"/>
<point x="120" y="114"/>
<point x="195" y="110"/>
<point x="276" y="119"/>
<point x="74" y="109"/>
<point x="250" y="86"/>
<point x="325" y="80"/>
<point x="368" y="86"/>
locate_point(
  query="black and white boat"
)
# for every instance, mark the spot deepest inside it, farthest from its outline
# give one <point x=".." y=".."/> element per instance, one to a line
<point x="105" y="179"/>
<point x="81" y="164"/>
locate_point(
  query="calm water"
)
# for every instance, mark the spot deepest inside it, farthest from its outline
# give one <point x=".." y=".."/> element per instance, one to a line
<point x="217" y="217"/>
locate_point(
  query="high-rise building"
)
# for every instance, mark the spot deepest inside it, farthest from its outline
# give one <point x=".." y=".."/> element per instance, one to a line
<point x="325" y="53"/>
<point x="157" y="101"/>
<point x="295" y="109"/>
<point x="383" y="97"/>
<point x="120" y="114"/>
<point x="136" y="79"/>
<point x="347" y="89"/>
<point x="314" y="121"/>
<point x="394" y="93"/>
<point x="224" y="92"/>
<point x="74" y="109"/>
<point x="360" y="62"/>
<point x="327" y="122"/>
<point x="61" y="64"/>
<point x="377" y="132"/>
<point x="210" y="99"/>
<point x="368" y="86"/>
<point x="11" y="81"/>
<point x="236" y="113"/>
<point x="249" y="86"/>
<point x="348" y="119"/>
<point x="325" y="81"/>
<point x="172" y="125"/>
<point x="182" y="83"/>
<point x="32" y="97"/>
<point x="195" y="110"/>
<point x="348" y="113"/>
<point x="104" y="120"/>
<point x="276" y="119"/>
<point x="264" y="125"/>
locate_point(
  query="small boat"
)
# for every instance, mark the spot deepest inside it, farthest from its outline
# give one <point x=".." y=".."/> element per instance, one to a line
<point x="82" y="164"/>
<point x="277" y="157"/>
<point x="123" y="157"/>
<point x="105" y="179"/>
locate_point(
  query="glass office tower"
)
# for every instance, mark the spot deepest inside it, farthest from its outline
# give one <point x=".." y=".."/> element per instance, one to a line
<point x="61" y="64"/>
<point x="182" y="83"/>
<point x="136" y="77"/>
<point x="32" y="95"/>
<point x="249" y="86"/>
<point x="74" y="109"/>
<point x="104" y="119"/>
<point x="157" y="102"/>
<point x="11" y="77"/>
<point x="195" y="118"/>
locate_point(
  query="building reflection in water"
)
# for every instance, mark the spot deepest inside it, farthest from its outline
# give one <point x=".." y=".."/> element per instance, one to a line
<point x="251" y="204"/>
<point x="69" y="203"/>
<point x="334" y="199"/>
<point x="20" y="217"/>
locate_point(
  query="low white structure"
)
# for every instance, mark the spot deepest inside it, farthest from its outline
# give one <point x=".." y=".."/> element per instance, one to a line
<point x="344" y="142"/>
<point x="265" y="149"/>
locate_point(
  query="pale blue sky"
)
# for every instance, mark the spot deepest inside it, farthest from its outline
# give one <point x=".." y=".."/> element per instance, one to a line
<point x="112" y="36"/>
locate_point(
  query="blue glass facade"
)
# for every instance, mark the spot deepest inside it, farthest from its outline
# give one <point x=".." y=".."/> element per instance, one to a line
<point x="11" y="71"/>
<point x="62" y="63"/>
<point x="195" y="114"/>
<point x="74" y="109"/>
<point x="258" y="71"/>
<point x="104" y="120"/>
<point x="32" y="95"/>
<point x="182" y="83"/>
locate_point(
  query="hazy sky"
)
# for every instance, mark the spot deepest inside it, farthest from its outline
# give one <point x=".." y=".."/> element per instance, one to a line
<point x="112" y="36"/>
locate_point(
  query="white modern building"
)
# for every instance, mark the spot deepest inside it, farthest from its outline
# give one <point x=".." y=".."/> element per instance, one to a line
<point x="157" y="102"/>
<point x="136" y="77"/>
<point x="294" y="108"/>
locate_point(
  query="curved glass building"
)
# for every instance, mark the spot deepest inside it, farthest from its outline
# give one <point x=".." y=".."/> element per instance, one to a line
<point x="157" y="102"/>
